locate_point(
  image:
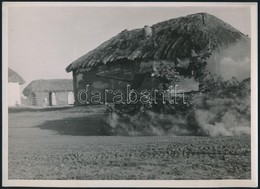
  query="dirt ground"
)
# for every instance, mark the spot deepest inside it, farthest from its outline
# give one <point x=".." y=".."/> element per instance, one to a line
<point x="71" y="143"/>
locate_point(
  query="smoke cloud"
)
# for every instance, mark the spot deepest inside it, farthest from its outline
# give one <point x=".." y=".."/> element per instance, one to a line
<point x="232" y="61"/>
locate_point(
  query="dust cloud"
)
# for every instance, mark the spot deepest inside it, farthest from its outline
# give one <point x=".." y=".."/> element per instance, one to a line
<point x="214" y="120"/>
<point x="225" y="120"/>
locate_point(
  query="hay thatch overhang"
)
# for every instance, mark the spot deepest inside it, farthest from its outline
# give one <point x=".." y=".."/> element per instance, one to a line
<point x="170" y="39"/>
<point x="51" y="85"/>
<point x="14" y="77"/>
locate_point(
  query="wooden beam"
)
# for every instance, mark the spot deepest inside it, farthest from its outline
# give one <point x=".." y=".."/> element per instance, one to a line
<point x="116" y="78"/>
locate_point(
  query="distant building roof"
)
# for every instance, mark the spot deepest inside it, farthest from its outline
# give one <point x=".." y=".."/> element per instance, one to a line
<point x="50" y="85"/>
<point x="14" y="77"/>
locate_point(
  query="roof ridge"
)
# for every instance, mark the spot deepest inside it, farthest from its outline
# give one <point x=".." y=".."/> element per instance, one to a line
<point x="173" y="38"/>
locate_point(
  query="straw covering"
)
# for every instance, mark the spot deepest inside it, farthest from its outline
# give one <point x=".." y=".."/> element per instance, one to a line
<point x="171" y="39"/>
<point x="52" y="85"/>
<point x="14" y="77"/>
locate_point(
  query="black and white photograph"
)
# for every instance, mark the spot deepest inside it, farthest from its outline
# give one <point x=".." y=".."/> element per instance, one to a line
<point x="129" y="94"/>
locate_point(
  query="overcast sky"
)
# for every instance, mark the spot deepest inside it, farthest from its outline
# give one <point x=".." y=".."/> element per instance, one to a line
<point x="42" y="41"/>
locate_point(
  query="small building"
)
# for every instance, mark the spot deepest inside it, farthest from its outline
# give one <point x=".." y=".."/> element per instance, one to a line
<point x="128" y="57"/>
<point x="52" y="92"/>
<point x="14" y="93"/>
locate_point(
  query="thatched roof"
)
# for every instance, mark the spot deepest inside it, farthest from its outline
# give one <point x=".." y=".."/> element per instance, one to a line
<point x="50" y="85"/>
<point x="170" y="39"/>
<point x="14" y="77"/>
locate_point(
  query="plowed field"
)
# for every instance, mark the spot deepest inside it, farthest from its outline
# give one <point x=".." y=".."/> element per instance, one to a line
<point x="72" y="144"/>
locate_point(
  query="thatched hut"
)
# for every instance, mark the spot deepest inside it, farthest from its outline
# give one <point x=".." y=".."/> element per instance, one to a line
<point x="128" y="57"/>
<point x="52" y="92"/>
<point x="14" y="82"/>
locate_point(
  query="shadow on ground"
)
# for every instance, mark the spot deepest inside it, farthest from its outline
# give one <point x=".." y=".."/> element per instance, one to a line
<point x="90" y="125"/>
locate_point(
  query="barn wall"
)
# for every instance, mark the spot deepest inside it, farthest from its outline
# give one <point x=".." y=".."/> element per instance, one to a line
<point x="98" y="83"/>
<point x="100" y="79"/>
<point x="81" y="80"/>
<point x="61" y="98"/>
<point x="40" y="98"/>
<point x="29" y="100"/>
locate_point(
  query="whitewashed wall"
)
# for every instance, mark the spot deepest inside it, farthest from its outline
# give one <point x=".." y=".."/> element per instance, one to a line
<point x="14" y="96"/>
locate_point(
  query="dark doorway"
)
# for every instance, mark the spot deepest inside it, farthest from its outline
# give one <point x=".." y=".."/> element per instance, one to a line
<point x="50" y="101"/>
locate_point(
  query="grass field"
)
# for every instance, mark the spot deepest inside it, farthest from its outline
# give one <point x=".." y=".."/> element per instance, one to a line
<point x="71" y="143"/>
